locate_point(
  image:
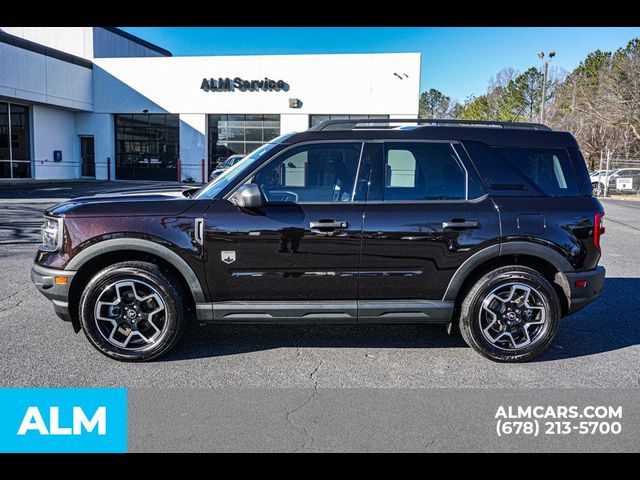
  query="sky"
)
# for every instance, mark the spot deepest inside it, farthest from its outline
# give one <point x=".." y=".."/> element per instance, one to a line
<point x="458" y="61"/>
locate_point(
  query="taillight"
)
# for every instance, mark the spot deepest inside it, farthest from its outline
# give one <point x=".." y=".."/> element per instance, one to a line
<point x="598" y="229"/>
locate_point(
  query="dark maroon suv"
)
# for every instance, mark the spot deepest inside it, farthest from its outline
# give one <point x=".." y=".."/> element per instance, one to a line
<point x="489" y="227"/>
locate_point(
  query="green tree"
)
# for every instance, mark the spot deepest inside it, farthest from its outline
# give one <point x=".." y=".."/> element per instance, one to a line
<point x="598" y="102"/>
<point x="476" y="108"/>
<point x="510" y="98"/>
<point x="521" y="100"/>
<point x="434" y="104"/>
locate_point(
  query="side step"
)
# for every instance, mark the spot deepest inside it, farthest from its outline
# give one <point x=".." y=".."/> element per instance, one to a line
<point x="340" y="311"/>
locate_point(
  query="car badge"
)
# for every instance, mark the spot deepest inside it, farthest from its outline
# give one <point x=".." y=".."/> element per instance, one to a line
<point x="228" y="256"/>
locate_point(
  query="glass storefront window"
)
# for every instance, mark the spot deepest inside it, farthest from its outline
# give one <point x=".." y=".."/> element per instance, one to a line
<point x="4" y="132"/>
<point x="147" y="146"/>
<point x="233" y="134"/>
<point x="15" y="156"/>
<point x="19" y="133"/>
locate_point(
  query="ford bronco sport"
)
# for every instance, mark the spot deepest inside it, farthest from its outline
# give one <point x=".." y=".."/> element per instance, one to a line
<point x="489" y="227"/>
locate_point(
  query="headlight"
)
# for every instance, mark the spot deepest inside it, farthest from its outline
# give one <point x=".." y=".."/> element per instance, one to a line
<point x="51" y="234"/>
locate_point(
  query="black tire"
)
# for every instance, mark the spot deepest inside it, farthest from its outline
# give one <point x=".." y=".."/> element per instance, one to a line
<point x="471" y="315"/>
<point x="172" y="319"/>
<point x="594" y="188"/>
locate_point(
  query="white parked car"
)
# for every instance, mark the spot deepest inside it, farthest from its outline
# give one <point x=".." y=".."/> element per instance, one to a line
<point x="625" y="180"/>
<point x="229" y="162"/>
<point x="600" y="178"/>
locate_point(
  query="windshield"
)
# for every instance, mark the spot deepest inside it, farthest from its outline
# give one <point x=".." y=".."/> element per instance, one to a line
<point x="230" y="161"/>
<point x="215" y="186"/>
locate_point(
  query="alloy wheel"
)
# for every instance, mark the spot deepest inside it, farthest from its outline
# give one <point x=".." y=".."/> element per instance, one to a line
<point x="130" y="314"/>
<point x="513" y="316"/>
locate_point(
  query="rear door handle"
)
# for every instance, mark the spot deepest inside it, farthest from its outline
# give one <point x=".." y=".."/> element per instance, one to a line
<point x="327" y="224"/>
<point x="461" y="224"/>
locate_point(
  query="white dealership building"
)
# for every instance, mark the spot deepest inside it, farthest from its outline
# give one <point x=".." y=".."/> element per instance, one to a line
<point x="98" y="102"/>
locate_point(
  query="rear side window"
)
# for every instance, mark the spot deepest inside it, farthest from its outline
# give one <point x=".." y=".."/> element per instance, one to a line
<point x="549" y="169"/>
<point x="422" y="171"/>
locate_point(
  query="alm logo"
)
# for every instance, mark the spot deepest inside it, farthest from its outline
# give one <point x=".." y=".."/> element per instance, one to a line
<point x="33" y="421"/>
<point x="62" y="420"/>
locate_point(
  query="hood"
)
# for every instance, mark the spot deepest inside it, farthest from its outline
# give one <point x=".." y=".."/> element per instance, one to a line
<point x="137" y="201"/>
<point x="162" y="190"/>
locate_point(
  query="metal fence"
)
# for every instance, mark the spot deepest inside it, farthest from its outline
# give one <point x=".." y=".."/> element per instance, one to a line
<point x="616" y="176"/>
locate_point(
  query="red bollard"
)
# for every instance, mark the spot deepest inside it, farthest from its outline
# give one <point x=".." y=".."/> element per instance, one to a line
<point x="109" y="168"/>
<point x="203" y="177"/>
<point x="179" y="175"/>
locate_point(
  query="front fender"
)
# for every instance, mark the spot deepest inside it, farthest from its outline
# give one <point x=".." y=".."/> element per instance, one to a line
<point x="147" y="246"/>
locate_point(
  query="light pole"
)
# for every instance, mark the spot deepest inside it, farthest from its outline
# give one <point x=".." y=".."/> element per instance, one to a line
<point x="544" y="81"/>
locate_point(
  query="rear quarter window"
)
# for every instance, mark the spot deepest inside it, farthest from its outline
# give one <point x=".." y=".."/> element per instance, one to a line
<point x="549" y="169"/>
<point x="525" y="171"/>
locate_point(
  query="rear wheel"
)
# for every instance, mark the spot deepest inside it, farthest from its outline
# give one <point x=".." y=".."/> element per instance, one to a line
<point x="133" y="311"/>
<point x="510" y="315"/>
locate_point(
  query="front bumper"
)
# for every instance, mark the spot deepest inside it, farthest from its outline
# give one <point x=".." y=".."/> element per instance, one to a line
<point x="581" y="297"/>
<point x="45" y="280"/>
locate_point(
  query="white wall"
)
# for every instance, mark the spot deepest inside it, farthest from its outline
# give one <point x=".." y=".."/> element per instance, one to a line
<point x="30" y="76"/>
<point x="85" y="42"/>
<point x="77" y="41"/>
<point x="101" y="127"/>
<point x="53" y="129"/>
<point x="329" y="84"/>
<point x="294" y="123"/>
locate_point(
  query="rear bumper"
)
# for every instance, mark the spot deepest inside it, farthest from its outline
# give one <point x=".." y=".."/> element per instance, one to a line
<point x="45" y="281"/>
<point x="580" y="297"/>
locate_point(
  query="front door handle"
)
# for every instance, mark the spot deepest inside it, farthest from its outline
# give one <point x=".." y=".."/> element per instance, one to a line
<point x="329" y="224"/>
<point x="461" y="224"/>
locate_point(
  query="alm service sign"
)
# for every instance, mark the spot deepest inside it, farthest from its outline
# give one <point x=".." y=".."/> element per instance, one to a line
<point x="228" y="84"/>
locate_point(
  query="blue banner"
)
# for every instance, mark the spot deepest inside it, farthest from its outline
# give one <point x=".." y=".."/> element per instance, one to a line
<point x="63" y="420"/>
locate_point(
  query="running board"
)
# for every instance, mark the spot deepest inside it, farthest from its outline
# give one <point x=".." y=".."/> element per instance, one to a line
<point x="341" y="311"/>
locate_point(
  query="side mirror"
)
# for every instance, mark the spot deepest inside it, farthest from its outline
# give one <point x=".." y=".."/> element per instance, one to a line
<point x="248" y="196"/>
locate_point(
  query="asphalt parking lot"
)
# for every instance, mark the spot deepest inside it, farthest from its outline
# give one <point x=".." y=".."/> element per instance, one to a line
<point x="597" y="347"/>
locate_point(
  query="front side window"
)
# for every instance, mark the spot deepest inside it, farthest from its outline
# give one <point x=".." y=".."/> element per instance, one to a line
<point x="416" y="171"/>
<point x="324" y="172"/>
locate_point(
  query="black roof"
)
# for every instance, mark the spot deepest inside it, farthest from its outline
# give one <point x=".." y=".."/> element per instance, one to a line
<point x="491" y="133"/>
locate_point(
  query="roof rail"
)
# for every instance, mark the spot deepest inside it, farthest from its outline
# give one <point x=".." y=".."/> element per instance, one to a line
<point x="365" y="123"/>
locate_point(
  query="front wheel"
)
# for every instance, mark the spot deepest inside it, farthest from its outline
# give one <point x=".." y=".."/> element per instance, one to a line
<point x="510" y="315"/>
<point x="132" y="311"/>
